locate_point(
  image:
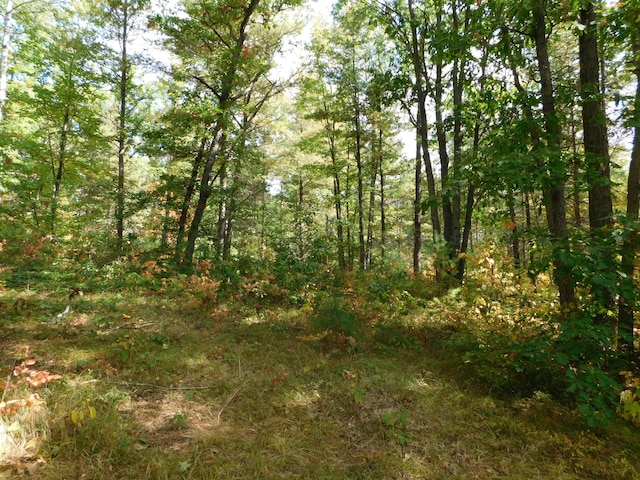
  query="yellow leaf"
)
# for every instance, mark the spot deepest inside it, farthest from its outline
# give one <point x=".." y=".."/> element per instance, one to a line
<point x="124" y="315"/>
<point x="92" y="412"/>
<point x="75" y="417"/>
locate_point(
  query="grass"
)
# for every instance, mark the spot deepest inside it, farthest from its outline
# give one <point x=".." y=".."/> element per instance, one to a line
<point x="178" y="386"/>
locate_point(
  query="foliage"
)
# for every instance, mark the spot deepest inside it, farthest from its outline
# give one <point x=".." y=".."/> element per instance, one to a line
<point x="153" y="416"/>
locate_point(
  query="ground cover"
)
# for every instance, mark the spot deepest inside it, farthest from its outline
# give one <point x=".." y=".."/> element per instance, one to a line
<point x="179" y="382"/>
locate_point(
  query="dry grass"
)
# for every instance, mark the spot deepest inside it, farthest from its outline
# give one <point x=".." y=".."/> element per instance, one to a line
<point x="171" y="389"/>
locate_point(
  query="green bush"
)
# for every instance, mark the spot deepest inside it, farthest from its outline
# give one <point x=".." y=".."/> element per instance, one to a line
<point x="330" y="315"/>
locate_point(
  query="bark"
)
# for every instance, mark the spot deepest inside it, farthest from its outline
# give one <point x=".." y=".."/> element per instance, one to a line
<point x="360" y="174"/>
<point x="122" y="133"/>
<point x="383" y="215"/>
<point x="596" y="145"/>
<point x="166" y="223"/>
<point x="223" y="212"/>
<point x="417" y="213"/>
<point x="515" y="236"/>
<point x="337" y="193"/>
<point x="215" y="153"/>
<point x="422" y="123"/>
<point x="58" y="168"/>
<point x="627" y="305"/>
<point x="188" y="195"/>
<point x="554" y="189"/>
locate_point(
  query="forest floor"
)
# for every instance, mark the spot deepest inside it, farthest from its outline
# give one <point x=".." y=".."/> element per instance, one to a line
<point x="152" y="385"/>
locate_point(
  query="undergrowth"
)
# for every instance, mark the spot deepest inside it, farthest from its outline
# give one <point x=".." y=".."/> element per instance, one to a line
<point x="370" y="376"/>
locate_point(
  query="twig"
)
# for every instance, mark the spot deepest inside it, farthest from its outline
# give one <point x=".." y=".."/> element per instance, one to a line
<point x="233" y="395"/>
<point x="162" y="387"/>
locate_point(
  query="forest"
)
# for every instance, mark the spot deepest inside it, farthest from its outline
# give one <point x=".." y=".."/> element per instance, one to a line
<point x="367" y="239"/>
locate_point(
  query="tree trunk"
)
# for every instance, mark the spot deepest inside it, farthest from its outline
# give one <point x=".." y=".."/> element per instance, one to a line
<point x="216" y="151"/>
<point x="58" y="168"/>
<point x="337" y="194"/>
<point x="515" y="238"/>
<point x="596" y="145"/>
<point x="360" y="173"/>
<point x="594" y="121"/>
<point x="166" y="223"/>
<point x="554" y="190"/>
<point x="422" y="123"/>
<point x="188" y="195"/>
<point x="627" y="305"/>
<point x="122" y="133"/>
<point x="372" y="199"/>
<point x="417" y="213"/>
<point x="383" y="219"/>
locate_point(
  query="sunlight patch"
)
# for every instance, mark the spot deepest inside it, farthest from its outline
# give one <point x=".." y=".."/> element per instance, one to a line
<point x="302" y="399"/>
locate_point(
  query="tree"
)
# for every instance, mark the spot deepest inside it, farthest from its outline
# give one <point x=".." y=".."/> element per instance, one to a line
<point x="120" y="19"/>
<point x="554" y="189"/>
<point x="65" y="104"/>
<point x="224" y="38"/>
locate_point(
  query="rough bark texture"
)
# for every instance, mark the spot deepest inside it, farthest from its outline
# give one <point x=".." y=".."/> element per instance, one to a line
<point x="554" y="190"/>
<point x="422" y="123"/>
<point x="594" y="122"/>
<point x="628" y="291"/>
<point x="417" y="213"/>
<point x="122" y="132"/>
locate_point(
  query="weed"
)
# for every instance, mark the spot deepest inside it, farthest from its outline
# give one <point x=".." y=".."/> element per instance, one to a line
<point x="179" y="420"/>
<point x="396" y="426"/>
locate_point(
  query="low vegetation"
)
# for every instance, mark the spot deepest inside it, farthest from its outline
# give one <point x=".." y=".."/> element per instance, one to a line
<point x="359" y="376"/>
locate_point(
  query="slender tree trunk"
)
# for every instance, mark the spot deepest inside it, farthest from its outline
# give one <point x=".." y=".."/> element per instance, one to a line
<point x="466" y="233"/>
<point x="422" y="123"/>
<point x="223" y="212"/>
<point x="166" y="223"/>
<point x="188" y="195"/>
<point x="350" y="259"/>
<point x="300" y="220"/>
<point x="337" y="194"/>
<point x="4" y="55"/>
<point x="216" y="151"/>
<point x="58" y="169"/>
<point x="417" y="212"/>
<point x="383" y="217"/>
<point x="360" y="174"/>
<point x="443" y="153"/>
<point x="459" y="81"/>
<point x="554" y="191"/>
<point x="575" y="162"/>
<point x="515" y="236"/>
<point x="122" y="124"/>
<point x="228" y="225"/>
<point x="627" y="305"/>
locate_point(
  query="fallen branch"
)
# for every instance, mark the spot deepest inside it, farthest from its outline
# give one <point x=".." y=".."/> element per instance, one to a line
<point x="233" y="395"/>
<point x="161" y="387"/>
